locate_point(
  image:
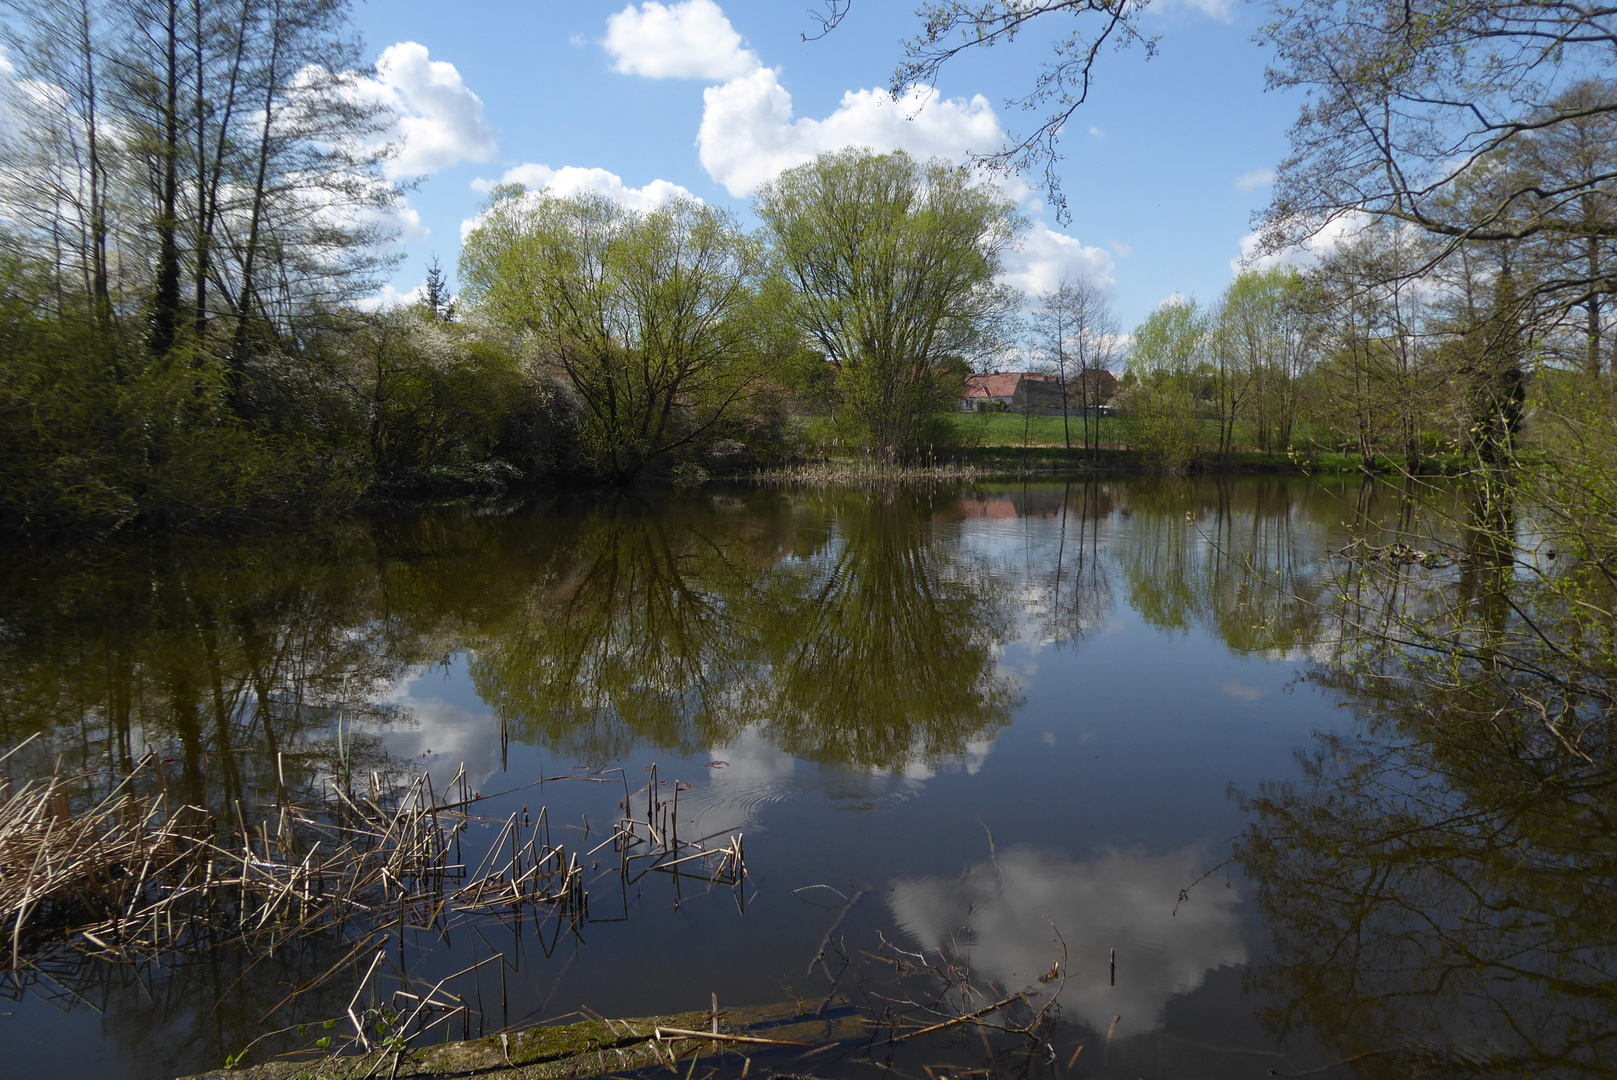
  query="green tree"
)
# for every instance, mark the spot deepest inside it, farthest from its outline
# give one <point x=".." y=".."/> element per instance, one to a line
<point x="1462" y="121"/>
<point x="449" y="404"/>
<point x="187" y="193"/>
<point x="651" y="317"/>
<point x="1264" y="346"/>
<point x="1160" y="402"/>
<point x="1576" y="157"/>
<point x="892" y="264"/>
<point x="198" y="166"/>
<point x="435" y="298"/>
<point x="1378" y="386"/>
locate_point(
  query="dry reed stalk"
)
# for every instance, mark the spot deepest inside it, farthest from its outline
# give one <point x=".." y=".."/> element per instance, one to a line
<point x="130" y="876"/>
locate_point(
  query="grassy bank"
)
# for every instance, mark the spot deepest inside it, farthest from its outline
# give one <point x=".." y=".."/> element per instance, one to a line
<point x="1005" y="444"/>
<point x="969" y="463"/>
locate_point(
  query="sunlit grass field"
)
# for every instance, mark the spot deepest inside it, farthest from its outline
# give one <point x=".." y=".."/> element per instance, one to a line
<point x="1009" y="429"/>
<point x="999" y="429"/>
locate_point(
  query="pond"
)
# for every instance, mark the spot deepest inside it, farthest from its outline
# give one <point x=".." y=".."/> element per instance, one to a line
<point x="1099" y="726"/>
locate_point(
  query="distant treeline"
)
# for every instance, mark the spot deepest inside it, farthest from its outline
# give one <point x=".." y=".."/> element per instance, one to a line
<point x="194" y="205"/>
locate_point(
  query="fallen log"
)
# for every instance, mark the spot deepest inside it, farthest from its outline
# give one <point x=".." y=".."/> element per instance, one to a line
<point x="579" y="1050"/>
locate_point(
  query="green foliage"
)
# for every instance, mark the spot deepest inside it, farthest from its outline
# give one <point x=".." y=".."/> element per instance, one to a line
<point x="450" y="405"/>
<point x="891" y="265"/>
<point x="1159" y="404"/>
<point x="652" y="319"/>
<point x="1161" y="418"/>
<point x="95" y="432"/>
<point x="1167" y="343"/>
<point x="1263" y="342"/>
<point x="679" y="625"/>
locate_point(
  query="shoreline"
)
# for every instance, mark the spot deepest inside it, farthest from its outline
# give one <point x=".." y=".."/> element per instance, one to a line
<point x="963" y="465"/>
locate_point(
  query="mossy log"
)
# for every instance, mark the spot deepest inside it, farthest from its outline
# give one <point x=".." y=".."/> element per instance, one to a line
<point x="573" y="1051"/>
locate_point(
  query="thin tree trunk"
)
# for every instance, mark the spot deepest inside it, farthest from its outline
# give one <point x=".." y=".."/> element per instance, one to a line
<point x="166" y="308"/>
<point x="100" y="300"/>
<point x="1594" y="309"/>
<point x="1066" y="427"/>
<point x="200" y="314"/>
<point x="210" y="207"/>
<point x="244" y="307"/>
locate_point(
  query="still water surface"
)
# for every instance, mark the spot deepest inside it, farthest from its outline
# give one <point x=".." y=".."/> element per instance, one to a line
<point x="999" y="712"/>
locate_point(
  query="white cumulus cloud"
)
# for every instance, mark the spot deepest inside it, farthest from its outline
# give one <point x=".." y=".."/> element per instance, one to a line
<point x="688" y="40"/>
<point x="571" y="180"/>
<point x="1220" y="10"/>
<point x="749" y="134"/>
<point x="390" y="297"/>
<point x="1046" y="256"/>
<point x="1304" y="255"/>
<point x="440" y="120"/>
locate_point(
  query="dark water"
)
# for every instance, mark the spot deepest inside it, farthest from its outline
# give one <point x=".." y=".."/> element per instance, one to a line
<point x="1106" y="711"/>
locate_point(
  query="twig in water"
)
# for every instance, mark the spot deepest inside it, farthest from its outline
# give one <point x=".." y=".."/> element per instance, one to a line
<point x="973" y="1015"/>
<point x="825" y="942"/>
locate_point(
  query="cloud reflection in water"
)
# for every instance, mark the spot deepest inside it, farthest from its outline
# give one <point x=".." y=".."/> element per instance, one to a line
<point x="1119" y="900"/>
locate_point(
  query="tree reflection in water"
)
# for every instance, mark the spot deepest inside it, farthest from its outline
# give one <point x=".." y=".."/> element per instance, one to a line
<point x="843" y="629"/>
<point x="1442" y="887"/>
<point x="863" y="631"/>
<point x="840" y="629"/>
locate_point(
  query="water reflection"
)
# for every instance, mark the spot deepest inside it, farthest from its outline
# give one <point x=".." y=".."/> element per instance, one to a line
<point x="867" y="651"/>
<point x="1439" y="883"/>
<point x="235" y="666"/>
<point x="1464" y="913"/>
<point x="1005" y="915"/>
<point x="842" y="628"/>
<point x="1247" y="570"/>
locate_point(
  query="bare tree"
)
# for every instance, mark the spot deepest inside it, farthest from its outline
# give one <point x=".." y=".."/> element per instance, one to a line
<point x="1077" y="334"/>
<point x="190" y="161"/>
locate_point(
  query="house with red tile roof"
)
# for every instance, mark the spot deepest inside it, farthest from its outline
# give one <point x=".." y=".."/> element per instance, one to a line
<point x="1017" y="391"/>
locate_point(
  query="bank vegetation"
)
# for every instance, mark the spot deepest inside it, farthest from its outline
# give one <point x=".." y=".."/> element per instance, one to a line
<point x="196" y="213"/>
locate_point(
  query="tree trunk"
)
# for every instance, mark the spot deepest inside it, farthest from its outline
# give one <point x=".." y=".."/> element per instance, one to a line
<point x="100" y="300"/>
<point x="238" y="347"/>
<point x="1593" y="306"/>
<point x="1066" y="426"/>
<point x="200" y="240"/>
<point x="208" y="199"/>
<point x="166" y="302"/>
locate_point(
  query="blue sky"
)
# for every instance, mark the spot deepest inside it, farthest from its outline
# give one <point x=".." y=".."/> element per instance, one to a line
<point x="1164" y="166"/>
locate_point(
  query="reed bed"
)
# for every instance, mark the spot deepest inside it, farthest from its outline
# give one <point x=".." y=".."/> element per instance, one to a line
<point x="868" y="470"/>
<point x="131" y="875"/>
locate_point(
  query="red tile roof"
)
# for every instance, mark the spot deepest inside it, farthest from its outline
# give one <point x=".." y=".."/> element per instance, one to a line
<point x="1001" y="384"/>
